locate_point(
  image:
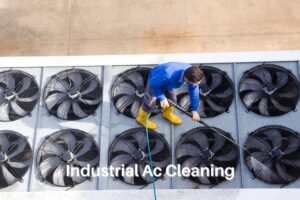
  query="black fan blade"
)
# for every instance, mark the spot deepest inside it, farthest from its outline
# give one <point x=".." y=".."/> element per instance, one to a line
<point x="218" y="144"/>
<point x="293" y="93"/>
<point x="265" y="76"/>
<point x="17" y="109"/>
<point x="257" y="143"/>
<point x="8" y="176"/>
<point x="192" y="162"/>
<point x="59" y="175"/>
<point x="230" y="156"/>
<point x="214" y="106"/>
<point x="63" y="109"/>
<point x="76" y="80"/>
<point x="135" y="106"/>
<point x="9" y="82"/>
<point x="137" y="79"/>
<point x="251" y="85"/>
<point x="92" y="86"/>
<point x="123" y="102"/>
<point x="216" y="81"/>
<point x="275" y="136"/>
<point x="124" y="89"/>
<point x="26" y="82"/>
<point x="129" y="179"/>
<point x="293" y="163"/>
<point x="78" y="111"/>
<point x="55" y="99"/>
<point x="263" y="106"/>
<point x="293" y="145"/>
<point x="125" y="146"/>
<point x="147" y="177"/>
<point x="282" y="79"/>
<point x="225" y="94"/>
<point x="48" y="165"/>
<point x="280" y="107"/>
<point x="4" y="143"/>
<point x="122" y="159"/>
<point x="4" y="110"/>
<point x="260" y="156"/>
<point x="159" y="146"/>
<point x="263" y="170"/>
<point x="188" y="150"/>
<point x="283" y="173"/>
<point x="141" y="139"/>
<point x="162" y="164"/>
<point x="20" y="147"/>
<point x="201" y="139"/>
<point x="83" y="147"/>
<point x="89" y="101"/>
<point x="70" y="140"/>
<point x="252" y="97"/>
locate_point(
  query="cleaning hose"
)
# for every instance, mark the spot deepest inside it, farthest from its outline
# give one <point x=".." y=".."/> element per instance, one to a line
<point x="150" y="158"/>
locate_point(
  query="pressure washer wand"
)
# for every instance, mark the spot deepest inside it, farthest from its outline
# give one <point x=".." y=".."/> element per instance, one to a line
<point x="206" y="125"/>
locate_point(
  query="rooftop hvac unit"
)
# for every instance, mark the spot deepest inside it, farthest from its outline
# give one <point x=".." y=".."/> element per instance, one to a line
<point x="64" y="149"/>
<point x="277" y="151"/>
<point x="130" y="149"/>
<point x="70" y="115"/>
<point x="15" y="158"/>
<point x="19" y="95"/>
<point x="269" y="90"/>
<point x="216" y="93"/>
<point x="204" y="148"/>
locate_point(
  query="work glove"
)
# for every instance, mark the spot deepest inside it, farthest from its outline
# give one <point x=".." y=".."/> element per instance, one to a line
<point x="164" y="103"/>
<point x="195" y="116"/>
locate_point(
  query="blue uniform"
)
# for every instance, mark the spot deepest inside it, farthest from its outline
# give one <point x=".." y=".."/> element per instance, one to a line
<point x="169" y="76"/>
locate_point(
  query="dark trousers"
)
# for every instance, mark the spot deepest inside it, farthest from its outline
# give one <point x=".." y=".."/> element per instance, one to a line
<point x="149" y="100"/>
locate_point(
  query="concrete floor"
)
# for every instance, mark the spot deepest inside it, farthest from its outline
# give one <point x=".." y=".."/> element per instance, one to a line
<point x="90" y="27"/>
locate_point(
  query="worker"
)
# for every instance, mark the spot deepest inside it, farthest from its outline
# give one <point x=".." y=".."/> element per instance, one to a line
<point x="162" y="82"/>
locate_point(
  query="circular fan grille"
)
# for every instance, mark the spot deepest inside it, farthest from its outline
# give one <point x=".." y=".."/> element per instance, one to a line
<point x="202" y="147"/>
<point x="277" y="151"/>
<point x="128" y="90"/>
<point x="70" y="147"/>
<point x="269" y="90"/>
<point x="216" y="93"/>
<point x="130" y="149"/>
<point x="73" y="94"/>
<point x="15" y="157"/>
<point x="19" y="93"/>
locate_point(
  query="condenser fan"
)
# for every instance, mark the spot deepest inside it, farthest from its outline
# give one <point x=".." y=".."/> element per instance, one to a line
<point x="73" y="94"/>
<point x="276" y="150"/>
<point x="216" y="93"/>
<point x="269" y="90"/>
<point x="67" y="148"/>
<point x="202" y="147"/>
<point x="128" y="90"/>
<point x="130" y="149"/>
<point x="19" y="94"/>
<point x="15" y="157"/>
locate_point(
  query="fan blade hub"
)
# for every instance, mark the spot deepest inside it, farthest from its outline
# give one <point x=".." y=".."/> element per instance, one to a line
<point x="10" y="97"/>
<point x="68" y="157"/>
<point x="276" y="153"/>
<point x="139" y="155"/>
<point x="207" y="154"/>
<point x="73" y="95"/>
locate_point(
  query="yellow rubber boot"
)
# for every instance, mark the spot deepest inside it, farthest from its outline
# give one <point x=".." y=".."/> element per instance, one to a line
<point x="168" y="113"/>
<point x="142" y="119"/>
